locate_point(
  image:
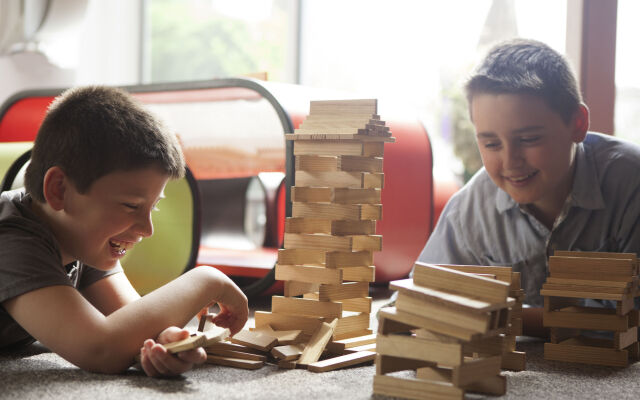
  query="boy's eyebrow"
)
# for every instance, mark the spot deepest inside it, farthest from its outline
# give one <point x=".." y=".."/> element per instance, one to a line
<point x="528" y="129"/>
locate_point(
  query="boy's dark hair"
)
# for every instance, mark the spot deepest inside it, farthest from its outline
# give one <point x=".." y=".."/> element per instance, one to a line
<point x="91" y="131"/>
<point x="528" y="67"/>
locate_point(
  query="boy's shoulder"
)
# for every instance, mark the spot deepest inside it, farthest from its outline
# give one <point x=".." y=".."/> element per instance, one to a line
<point x="607" y="149"/>
<point x="479" y="197"/>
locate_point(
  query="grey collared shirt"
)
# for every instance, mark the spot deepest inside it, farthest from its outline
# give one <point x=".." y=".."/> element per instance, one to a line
<point x="483" y="225"/>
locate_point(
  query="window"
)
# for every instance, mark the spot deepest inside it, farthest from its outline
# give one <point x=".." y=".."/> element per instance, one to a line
<point x="204" y="39"/>
<point x="627" y="108"/>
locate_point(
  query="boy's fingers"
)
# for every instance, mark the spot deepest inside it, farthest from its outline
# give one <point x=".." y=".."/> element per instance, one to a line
<point x="146" y="364"/>
<point x="195" y="356"/>
<point x="171" y="365"/>
<point x="155" y="354"/>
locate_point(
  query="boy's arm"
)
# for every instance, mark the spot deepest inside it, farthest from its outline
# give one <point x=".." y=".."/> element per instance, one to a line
<point x="64" y="321"/>
<point x="110" y="293"/>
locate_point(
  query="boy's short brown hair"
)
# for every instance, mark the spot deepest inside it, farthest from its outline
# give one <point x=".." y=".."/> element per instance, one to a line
<point x="91" y="131"/>
<point x="524" y="66"/>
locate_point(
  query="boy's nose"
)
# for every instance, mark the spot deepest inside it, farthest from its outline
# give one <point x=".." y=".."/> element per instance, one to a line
<point x="144" y="226"/>
<point x="513" y="157"/>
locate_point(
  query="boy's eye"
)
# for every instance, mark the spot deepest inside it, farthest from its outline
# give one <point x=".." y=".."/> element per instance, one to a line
<point x="130" y="206"/>
<point x="529" y="139"/>
<point x="492" y="145"/>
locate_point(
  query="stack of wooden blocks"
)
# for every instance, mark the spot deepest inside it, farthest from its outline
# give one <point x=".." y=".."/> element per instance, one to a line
<point x="446" y="327"/>
<point x="511" y="359"/>
<point x="330" y="239"/>
<point x="591" y="275"/>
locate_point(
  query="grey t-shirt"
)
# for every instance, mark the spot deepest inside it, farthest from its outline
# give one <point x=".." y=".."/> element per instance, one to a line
<point x="29" y="260"/>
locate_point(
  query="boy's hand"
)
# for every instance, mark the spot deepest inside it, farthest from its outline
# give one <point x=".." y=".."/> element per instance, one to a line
<point x="156" y="361"/>
<point x="234" y="306"/>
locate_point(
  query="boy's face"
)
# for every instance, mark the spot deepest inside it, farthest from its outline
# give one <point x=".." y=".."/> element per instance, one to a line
<point x="527" y="149"/>
<point x="111" y="217"/>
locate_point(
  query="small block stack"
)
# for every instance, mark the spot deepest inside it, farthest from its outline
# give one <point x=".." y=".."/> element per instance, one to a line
<point x="330" y="239"/>
<point x="446" y="327"/>
<point x="591" y="275"/>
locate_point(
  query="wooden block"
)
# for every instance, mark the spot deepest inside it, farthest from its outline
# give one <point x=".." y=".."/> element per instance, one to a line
<point x="495" y="385"/>
<point x="317" y="343"/>
<point x="346" y="360"/>
<point x="338" y="259"/>
<point x="582" y="288"/>
<point x="307" y="225"/>
<point x="363" y="164"/>
<point x="514" y="360"/>
<point x="306" y="307"/>
<point x="356" y="196"/>
<point x="359" y="274"/>
<point x="301" y="257"/>
<point x="586" y="318"/>
<point x="515" y="327"/>
<point x="364" y="347"/>
<point x="234" y="362"/>
<point x="387" y="325"/>
<point x="238" y="354"/>
<point x="503" y="274"/>
<point x="585" y="354"/>
<point x="625" y="339"/>
<point x="386" y="364"/>
<point x="418" y="321"/>
<point x="449" y="280"/>
<point x="473" y="320"/>
<point x="340" y="179"/>
<point x="312" y="194"/>
<point x="308" y="274"/>
<point x="339" y="147"/>
<point x="435" y="374"/>
<point x="475" y="370"/>
<point x="347" y="290"/>
<point x="610" y="269"/>
<point x="352" y="326"/>
<point x="584" y="282"/>
<point x="215" y="334"/>
<point x="493" y="345"/>
<point x="331" y="243"/>
<point x="284" y="337"/>
<point x="189" y="343"/>
<point x="203" y="319"/>
<point x="581" y="295"/>
<point x="342" y="107"/>
<point x="415" y="388"/>
<point x="295" y="288"/>
<point x="554" y="303"/>
<point x="216" y="348"/>
<point x="595" y="254"/>
<point x="366" y="242"/>
<point x="447" y="354"/>
<point x="362" y="227"/>
<point x="334" y="211"/>
<point x="339" y="346"/>
<point x="625" y="305"/>
<point x="317" y="164"/>
<point x="437" y="337"/>
<point x="288" y="352"/>
<point x="357" y="305"/>
<point x="255" y="339"/>
<point x="281" y="322"/>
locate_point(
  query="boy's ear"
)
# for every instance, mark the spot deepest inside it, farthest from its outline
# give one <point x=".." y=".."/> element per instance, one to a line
<point x="580" y="123"/>
<point x="54" y="187"/>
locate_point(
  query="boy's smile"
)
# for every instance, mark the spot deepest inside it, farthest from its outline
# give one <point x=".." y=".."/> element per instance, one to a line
<point x="99" y="226"/>
<point x="527" y="149"/>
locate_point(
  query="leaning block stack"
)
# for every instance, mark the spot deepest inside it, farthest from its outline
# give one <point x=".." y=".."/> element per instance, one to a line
<point x="446" y="327"/>
<point x="511" y="359"/>
<point x="331" y="237"/>
<point x="591" y="275"/>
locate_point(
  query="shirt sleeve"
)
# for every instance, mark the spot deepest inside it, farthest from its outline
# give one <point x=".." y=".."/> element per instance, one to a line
<point x="90" y="275"/>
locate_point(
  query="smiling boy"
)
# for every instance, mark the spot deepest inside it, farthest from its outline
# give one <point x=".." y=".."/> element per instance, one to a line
<point x="547" y="183"/>
<point x="99" y="166"/>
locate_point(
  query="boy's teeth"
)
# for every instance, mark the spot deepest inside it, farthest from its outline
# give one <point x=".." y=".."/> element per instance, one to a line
<point x="122" y="247"/>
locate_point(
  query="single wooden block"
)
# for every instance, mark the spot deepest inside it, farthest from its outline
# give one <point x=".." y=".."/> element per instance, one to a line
<point x="357" y="305"/>
<point x="418" y="389"/>
<point x="447" y="354"/>
<point x="203" y="319"/>
<point x="215" y="334"/>
<point x="359" y="274"/>
<point x="339" y="346"/>
<point x="332" y="211"/>
<point x="418" y="321"/>
<point x="625" y="339"/>
<point x="216" y="348"/>
<point x="255" y="339"/>
<point x="317" y="343"/>
<point x="317" y="164"/>
<point x="625" y="305"/>
<point x="192" y="342"/>
<point x="340" y="179"/>
<point x="307" y="307"/>
<point x="301" y="257"/>
<point x="362" y="164"/>
<point x="238" y="354"/>
<point x="366" y="242"/>
<point x="469" y="285"/>
<point x="347" y="290"/>
<point x="344" y="107"/>
<point x="295" y="288"/>
<point x="387" y="325"/>
<point x="586" y="351"/>
<point x="595" y="254"/>
<point x="333" y="243"/>
<point x="473" y="320"/>
<point x="492" y="345"/>
<point x="346" y="360"/>
<point x="352" y="325"/>
<point x="281" y="322"/>
<point x="558" y="335"/>
<point x="515" y="327"/>
<point x="300" y="194"/>
<point x="307" y="225"/>
<point x="555" y="303"/>
<point x="495" y="385"/>
<point x="308" y="274"/>
<point x="590" y="318"/>
<point x="234" y="362"/>
<point x="362" y="227"/>
<point x="288" y="352"/>
<point x="284" y="337"/>
<point x="610" y="269"/>
<point x="590" y="289"/>
<point x="475" y="370"/>
<point x="340" y="259"/>
<point x="514" y="360"/>
<point x="356" y="196"/>
<point x="581" y="295"/>
<point x="339" y="147"/>
<point x="503" y="274"/>
<point x="591" y="283"/>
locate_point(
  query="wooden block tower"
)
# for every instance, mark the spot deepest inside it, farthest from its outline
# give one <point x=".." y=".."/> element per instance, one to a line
<point x="591" y="275"/>
<point x="446" y="327"/>
<point x="331" y="237"/>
